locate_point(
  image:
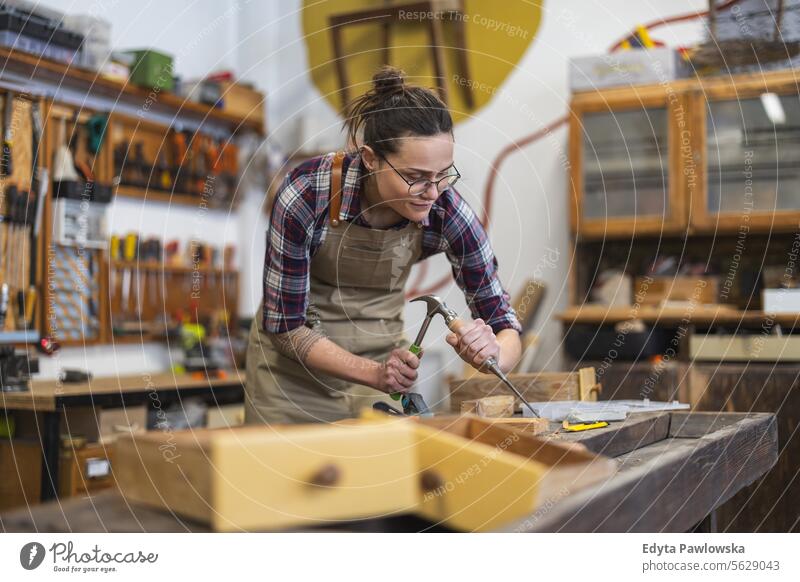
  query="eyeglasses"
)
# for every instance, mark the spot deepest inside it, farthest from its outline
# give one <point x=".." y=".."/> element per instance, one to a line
<point x="417" y="187"/>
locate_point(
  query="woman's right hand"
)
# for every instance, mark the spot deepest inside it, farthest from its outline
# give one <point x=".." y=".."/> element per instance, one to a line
<point x="397" y="373"/>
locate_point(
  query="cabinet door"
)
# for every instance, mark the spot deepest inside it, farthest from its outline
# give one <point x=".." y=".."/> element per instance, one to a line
<point x="752" y="150"/>
<point x="622" y="180"/>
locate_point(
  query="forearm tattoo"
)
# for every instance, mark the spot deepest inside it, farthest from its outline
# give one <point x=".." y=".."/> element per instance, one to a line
<point x="297" y="343"/>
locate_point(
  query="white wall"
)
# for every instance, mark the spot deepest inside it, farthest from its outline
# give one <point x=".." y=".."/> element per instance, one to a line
<point x="263" y="42"/>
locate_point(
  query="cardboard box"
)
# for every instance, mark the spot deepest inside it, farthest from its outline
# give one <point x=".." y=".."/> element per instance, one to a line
<point x="652" y="291"/>
<point x="242" y="101"/>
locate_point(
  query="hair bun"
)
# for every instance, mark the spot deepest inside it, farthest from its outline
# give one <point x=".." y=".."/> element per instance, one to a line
<point x="388" y="81"/>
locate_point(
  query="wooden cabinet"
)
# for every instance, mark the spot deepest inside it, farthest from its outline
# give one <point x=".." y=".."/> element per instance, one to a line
<point x="749" y="133"/>
<point x="695" y="156"/>
<point x="625" y="169"/>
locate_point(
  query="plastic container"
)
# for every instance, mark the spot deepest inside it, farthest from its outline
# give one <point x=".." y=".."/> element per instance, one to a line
<point x="152" y="69"/>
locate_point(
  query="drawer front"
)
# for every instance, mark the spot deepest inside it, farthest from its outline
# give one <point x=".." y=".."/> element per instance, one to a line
<point x="314" y="475"/>
<point x="472" y="486"/>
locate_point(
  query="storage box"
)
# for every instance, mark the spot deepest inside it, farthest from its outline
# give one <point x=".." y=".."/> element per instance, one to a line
<point x="655" y="290"/>
<point x="38" y="32"/>
<point x="755" y="347"/>
<point x="242" y="101"/>
<point x="626" y="68"/>
<point x="152" y="70"/>
<point x="234" y="98"/>
<point x="225" y="416"/>
<point x="114" y="422"/>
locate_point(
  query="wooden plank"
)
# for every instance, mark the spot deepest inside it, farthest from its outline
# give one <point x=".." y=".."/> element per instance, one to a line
<point x="635" y="432"/>
<point x="692" y="425"/>
<point x="499" y="406"/>
<point x="539" y="387"/>
<point x="667" y="488"/>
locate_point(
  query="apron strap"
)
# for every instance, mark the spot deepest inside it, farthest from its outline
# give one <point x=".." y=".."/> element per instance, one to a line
<point x="336" y="188"/>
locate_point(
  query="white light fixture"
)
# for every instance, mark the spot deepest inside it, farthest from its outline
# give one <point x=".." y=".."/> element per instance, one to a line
<point x="773" y="108"/>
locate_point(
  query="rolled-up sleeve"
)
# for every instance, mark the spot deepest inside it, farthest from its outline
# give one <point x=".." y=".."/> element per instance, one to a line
<point x="475" y="266"/>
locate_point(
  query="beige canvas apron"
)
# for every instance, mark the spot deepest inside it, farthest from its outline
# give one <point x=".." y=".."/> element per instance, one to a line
<point x="356" y="299"/>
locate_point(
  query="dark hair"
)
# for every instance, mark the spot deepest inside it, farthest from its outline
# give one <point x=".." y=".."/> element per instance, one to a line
<point x="393" y="109"/>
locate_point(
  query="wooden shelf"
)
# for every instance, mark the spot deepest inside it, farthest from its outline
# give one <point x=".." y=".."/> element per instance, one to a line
<point x="172" y="269"/>
<point x="87" y="81"/>
<point x="698" y="315"/>
<point x="153" y="195"/>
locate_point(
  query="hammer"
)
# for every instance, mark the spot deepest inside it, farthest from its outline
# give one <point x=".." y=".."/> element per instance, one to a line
<point x="436" y="306"/>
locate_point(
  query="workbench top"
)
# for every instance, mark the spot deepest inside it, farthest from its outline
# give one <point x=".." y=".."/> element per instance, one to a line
<point x="675" y="468"/>
<point x="45" y="394"/>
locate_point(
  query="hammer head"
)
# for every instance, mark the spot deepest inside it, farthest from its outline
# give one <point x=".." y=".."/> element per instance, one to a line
<point x="434" y="304"/>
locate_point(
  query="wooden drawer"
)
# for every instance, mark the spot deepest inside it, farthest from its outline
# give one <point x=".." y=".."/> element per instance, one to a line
<point x="86" y="470"/>
<point x="465" y="472"/>
<point x="262" y="478"/>
<point x="477" y="475"/>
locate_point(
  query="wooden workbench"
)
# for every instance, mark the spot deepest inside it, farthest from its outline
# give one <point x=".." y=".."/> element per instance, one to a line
<point x="675" y="469"/>
<point x="51" y="397"/>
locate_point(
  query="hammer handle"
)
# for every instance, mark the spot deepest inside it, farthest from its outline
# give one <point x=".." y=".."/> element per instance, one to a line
<point x="457" y="326"/>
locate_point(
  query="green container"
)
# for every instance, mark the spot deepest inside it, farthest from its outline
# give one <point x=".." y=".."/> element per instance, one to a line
<point x="152" y="70"/>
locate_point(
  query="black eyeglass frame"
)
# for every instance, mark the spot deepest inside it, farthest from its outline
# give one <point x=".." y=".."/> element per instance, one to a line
<point x="457" y="176"/>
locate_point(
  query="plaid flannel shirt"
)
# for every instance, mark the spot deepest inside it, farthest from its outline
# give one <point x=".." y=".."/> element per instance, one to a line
<point x="299" y="221"/>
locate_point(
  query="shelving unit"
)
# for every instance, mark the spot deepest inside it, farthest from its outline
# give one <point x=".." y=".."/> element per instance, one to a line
<point x="659" y="168"/>
<point x="61" y="91"/>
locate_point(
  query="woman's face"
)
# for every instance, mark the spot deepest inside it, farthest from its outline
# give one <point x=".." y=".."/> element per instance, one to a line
<point x="416" y="158"/>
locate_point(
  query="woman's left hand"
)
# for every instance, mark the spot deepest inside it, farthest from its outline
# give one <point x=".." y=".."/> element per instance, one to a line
<point x="476" y="344"/>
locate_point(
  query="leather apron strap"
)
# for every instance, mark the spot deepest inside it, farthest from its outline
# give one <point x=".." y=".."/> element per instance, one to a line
<point x="335" y="207"/>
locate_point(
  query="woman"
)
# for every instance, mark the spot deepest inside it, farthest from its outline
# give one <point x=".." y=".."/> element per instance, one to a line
<point x="344" y="232"/>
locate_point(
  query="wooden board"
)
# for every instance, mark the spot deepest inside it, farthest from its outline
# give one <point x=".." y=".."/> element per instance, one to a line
<point x="499" y="406"/>
<point x="535" y="387"/>
<point x="635" y="432"/>
<point x="666" y="486"/>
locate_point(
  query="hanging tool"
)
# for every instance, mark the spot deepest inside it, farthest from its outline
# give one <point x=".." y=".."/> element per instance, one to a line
<point x="436" y="306"/>
<point x="63" y="164"/>
<point x="96" y="127"/>
<point x="179" y="169"/>
<point x="6" y="163"/>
